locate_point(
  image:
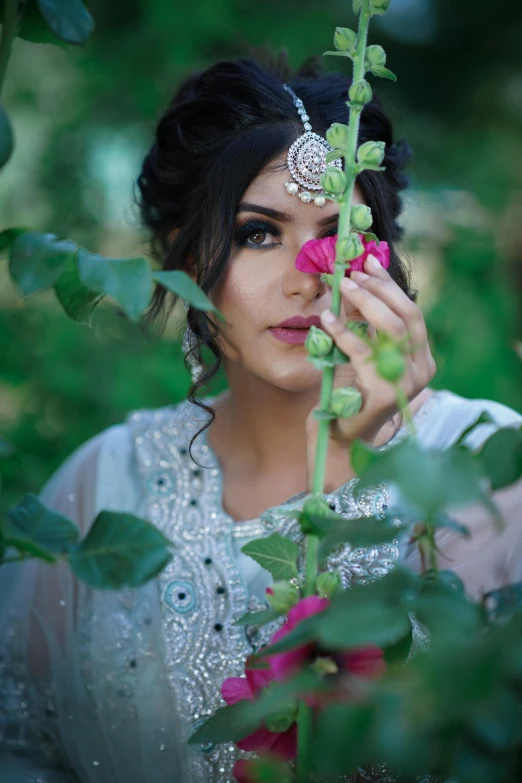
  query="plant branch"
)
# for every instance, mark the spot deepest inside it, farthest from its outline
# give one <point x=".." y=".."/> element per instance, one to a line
<point x="10" y="27"/>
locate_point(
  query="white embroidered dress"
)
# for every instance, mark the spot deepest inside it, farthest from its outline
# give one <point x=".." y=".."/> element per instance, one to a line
<point x="106" y="686"/>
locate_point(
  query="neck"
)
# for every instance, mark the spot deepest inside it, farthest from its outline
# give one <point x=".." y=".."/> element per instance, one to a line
<point x="261" y="426"/>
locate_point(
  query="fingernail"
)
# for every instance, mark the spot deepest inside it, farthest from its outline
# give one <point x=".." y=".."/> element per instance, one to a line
<point x="360" y="275"/>
<point x="349" y="284"/>
<point x="327" y="317"/>
<point x="373" y="263"/>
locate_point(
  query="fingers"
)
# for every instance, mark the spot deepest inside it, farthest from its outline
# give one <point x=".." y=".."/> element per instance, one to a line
<point x="348" y="342"/>
<point x="378" y="282"/>
<point x="373" y="309"/>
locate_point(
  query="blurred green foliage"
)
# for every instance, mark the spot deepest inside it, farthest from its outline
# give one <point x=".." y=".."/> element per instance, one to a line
<point x="84" y="118"/>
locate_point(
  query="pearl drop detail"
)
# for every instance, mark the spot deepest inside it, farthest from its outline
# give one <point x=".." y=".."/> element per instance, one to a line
<point x="306" y="197"/>
<point x="292" y="187"/>
<point x="319" y="201"/>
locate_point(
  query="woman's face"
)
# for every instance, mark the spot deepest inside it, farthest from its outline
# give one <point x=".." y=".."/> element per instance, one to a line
<point x="262" y="287"/>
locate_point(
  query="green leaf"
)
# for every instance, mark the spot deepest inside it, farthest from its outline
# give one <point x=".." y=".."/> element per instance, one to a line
<point x="30" y="549"/>
<point x="370" y="236"/>
<point x="37" y="260"/>
<point x="337" y="54"/>
<point x="120" y="549"/>
<point x="333" y="154"/>
<point x="9" y="237"/>
<point x="275" y="554"/>
<point x="502" y="604"/>
<point x="342" y="731"/>
<point x="228" y="724"/>
<point x="69" y="20"/>
<point x="501" y="456"/>
<point x="365" y="531"/>
<point x="430" y="480"/>
<point x="127" y="280"/>
<point x="258" y="618"/>
<point x="6" y="137"/>
<point x="362" y="456"/>
<point x="182" y="285"/>
<point x="357" y="5"/>
<point x="384" y="73"/>
<point x="32" y="522"/>
<point x="33" y="27"/>
<point x="77" y="299"/>
<point x="6" y="448"/>
<point x="482" y="418"/>
<point x="362" y="622"/>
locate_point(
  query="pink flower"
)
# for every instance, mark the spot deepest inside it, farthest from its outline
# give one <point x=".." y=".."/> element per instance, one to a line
<point x="318" y="255"/>
<point x="234" y="689"/>
<point x="366" y="662"/>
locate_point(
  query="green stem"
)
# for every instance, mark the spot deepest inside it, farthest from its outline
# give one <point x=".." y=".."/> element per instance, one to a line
<point x="305" y="714"/>
<point x="304" y="742"/>
<point x="10" y="26"/>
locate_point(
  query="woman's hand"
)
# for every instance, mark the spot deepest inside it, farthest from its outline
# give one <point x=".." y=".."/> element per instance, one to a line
<point x="388" y="309"/>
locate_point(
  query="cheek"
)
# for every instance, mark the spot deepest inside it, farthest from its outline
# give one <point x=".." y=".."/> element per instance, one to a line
<point x="244" y="292"/>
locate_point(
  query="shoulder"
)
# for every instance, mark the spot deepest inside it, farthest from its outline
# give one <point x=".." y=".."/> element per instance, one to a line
<point x="447" y="416"/>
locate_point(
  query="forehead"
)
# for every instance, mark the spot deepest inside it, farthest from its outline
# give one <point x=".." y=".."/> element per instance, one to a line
<point x="268" y="188"/>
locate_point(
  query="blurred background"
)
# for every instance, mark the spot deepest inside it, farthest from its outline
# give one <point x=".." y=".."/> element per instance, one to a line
<point x="84" y="118"/>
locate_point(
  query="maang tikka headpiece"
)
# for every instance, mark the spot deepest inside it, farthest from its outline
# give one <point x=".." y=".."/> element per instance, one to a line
<point x="307" y="159"/>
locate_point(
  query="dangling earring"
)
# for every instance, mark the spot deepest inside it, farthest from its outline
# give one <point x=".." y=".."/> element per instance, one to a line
<point x="190" y="347"/>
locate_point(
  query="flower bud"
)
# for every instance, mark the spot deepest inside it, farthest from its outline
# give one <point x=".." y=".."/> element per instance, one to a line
<point x="337" y="135"/>
<point x="375" y="55"/>
<point x="360" y="93"/>
<point x="318" y="343"/>
<point x="361" y="217"/>
<point x="282" y="596"/>
<point x="317" y="506"/>
<point x="327" y="583"/>
<point x="334" y="180"/>
<point x="345" y="40"/>
<point x="379" y="6"/>
<point x="350" y="247"/>
<point x="346" y="402"/>
<point x="390" y="364"/>
<point x="372" y="152"/>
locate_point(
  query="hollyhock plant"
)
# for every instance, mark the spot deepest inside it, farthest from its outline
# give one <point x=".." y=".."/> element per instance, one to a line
<point x="318" y="255"/>
<point x="366" y="662"/>
<point x="282" y="744"/>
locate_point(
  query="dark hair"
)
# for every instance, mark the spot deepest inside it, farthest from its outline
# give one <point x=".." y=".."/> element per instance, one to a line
<point x="222" y="127"/>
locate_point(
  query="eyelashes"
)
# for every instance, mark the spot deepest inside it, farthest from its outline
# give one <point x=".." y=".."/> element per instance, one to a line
<point x="243" y="234"/>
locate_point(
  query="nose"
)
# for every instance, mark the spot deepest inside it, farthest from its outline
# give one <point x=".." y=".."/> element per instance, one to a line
<point x="304" y="284"/>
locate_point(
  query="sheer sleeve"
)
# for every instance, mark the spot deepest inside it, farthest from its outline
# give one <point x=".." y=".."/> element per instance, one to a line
<point x="84" y="696"/>
<point x="31" y="591"/>
<point x="490" y="558"/>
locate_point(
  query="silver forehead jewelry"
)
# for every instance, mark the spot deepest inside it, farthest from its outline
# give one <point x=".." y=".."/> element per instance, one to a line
<point x="307" y="159"/>
<point x="190" y="348"/>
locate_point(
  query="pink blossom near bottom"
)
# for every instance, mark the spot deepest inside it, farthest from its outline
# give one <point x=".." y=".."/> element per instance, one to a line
<point x="366" y="661"/>
<point x="234" y="689"/>
<point x="318" y="255"/>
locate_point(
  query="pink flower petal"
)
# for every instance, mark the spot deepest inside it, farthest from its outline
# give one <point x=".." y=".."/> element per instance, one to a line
<point x="285" y="744"/>
<point x="261" y="740"/>
<point x="365" y="661"/>
<point x="318" y="255"/>
<point x="258" y="678"/>
<point x="236" y="689"/>
<point x="241" y="771"/>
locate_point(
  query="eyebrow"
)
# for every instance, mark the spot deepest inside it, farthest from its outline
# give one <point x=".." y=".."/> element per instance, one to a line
<point x="282" y="217"/>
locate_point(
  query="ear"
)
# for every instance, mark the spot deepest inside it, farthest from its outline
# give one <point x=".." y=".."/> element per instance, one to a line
<point x="190" y="266"/>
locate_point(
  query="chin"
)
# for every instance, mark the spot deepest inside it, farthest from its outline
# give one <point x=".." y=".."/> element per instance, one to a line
<point x="295" y="376"/>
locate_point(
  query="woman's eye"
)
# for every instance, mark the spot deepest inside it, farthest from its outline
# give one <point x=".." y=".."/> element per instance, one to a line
<point x="256" y="235"/>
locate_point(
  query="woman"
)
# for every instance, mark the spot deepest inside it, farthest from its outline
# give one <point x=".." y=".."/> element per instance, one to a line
<point x="106" y="686"/>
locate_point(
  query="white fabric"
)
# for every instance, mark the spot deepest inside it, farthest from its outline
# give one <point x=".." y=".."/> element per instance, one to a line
<point x="93" y="724"/>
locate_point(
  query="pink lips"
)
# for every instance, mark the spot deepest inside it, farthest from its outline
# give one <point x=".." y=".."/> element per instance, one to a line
<point x="295" y="329"/>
